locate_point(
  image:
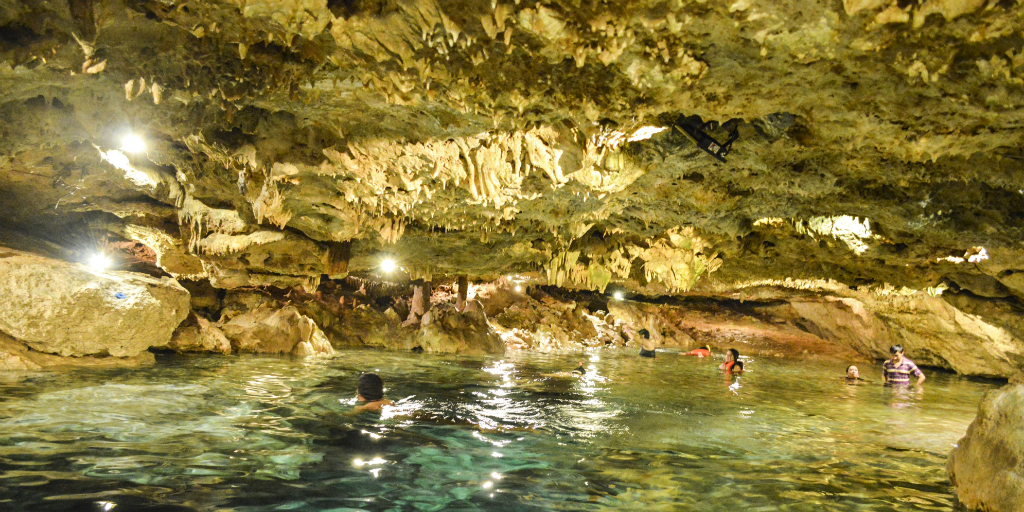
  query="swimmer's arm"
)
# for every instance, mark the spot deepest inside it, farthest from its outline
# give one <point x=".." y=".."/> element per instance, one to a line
<point x="920" y="379"/>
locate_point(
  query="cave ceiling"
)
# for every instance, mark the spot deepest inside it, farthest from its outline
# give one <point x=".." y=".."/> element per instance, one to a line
<point x="285" y="140"/>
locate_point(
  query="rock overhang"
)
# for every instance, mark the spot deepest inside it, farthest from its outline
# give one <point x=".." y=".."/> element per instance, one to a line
<point x="489" y="138"/>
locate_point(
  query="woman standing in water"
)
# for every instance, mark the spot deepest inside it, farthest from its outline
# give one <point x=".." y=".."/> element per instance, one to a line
<point x="732" y="362"/>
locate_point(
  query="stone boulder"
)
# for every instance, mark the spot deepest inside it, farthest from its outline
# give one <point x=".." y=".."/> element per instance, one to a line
<point x="365" y="326"/>
<point x="64" y="308"/>
<point x="271" y="330"/>
<point x="987" y="465"/>
<point x="445" y="330"/>
<point x="197" y="334"/>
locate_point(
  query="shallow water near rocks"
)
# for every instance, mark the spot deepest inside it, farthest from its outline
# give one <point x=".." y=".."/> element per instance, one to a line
<point x="483" y="433"/>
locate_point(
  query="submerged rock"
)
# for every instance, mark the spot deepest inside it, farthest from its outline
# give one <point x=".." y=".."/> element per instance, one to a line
<point x="63" y="308"/>
<point x="987" y="465"/>
<point x="267" y="330"/>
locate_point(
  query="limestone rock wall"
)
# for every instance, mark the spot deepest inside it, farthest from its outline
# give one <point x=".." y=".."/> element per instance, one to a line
<point x="197" y="334"/>
<point x="987" y="466"/>
<point x="269" y="330"/>
<point x="932" y="331"/>
<point x="63" y="308"/>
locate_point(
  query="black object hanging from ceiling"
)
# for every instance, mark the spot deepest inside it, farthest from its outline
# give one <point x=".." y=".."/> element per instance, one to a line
<point x="697" y="131"/>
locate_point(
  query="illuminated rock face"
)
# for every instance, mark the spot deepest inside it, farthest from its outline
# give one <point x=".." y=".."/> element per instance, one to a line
<point x="267" y="330"/>
<point x="987" y="465"/>
<point x="66" y="309"/>
<point x="289" y="140"/>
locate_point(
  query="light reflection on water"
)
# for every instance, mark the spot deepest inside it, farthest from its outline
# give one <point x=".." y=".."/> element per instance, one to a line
<point x="510" y="433"/>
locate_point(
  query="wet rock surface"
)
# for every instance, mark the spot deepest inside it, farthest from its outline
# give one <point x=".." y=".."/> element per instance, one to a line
<point x="268" y="330"/>
<point x="63" y="308"/>
<point x="987" y="465"/>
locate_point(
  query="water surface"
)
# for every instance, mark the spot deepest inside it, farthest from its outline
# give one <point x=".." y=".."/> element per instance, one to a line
<point x="258" y="434"/>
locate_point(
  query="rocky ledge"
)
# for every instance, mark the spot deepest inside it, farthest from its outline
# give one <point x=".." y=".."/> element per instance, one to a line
<point x="987" y="465"/>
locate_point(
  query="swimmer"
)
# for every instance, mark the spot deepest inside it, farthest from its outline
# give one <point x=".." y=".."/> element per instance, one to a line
<point x="370" y="392"/>
<point x="704" y="351"/>
<point x="646" y="346"/>
<point x="897" y="371"/>
<point x="580" y="369"/>
<point x="853" y="375"/>
<point x="732" y="362"/>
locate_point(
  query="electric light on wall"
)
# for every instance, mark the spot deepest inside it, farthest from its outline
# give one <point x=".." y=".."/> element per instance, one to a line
<point x="99" y="262"/>
<point x="388" y="265"/>
<point x="133" y="143"/>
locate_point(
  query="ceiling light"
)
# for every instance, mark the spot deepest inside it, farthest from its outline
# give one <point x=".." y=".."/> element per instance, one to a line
<point x="133" y="143"/>
<point x="99" y="262"/>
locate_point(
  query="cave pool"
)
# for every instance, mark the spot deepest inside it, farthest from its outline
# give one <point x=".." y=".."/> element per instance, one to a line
<point x="256" y="433"/>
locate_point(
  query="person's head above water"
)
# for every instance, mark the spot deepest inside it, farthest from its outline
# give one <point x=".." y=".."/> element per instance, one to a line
<point x="852" y="372"/>
<point x="370" y="387"/>
<point x="644" y="333"/>
<point x="732" y="355"/>
<point x="897" y="353"/>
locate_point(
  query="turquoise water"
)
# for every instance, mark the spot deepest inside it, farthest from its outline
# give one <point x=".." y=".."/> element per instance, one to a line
<point x="506" y="433"/>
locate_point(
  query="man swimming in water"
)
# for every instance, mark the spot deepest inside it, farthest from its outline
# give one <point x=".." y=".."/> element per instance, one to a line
<point x="897" y="371"/>
<point x="580" y="369"/>
<point x="370" y="392"/>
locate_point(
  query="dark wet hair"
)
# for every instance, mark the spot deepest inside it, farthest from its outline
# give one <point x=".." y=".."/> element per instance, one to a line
<point x="706" y="347"/>
<point x="895" y="349"/>
<point x="848" y="368"/>
<point x="735" y="354"/>
<point x="644" y="332"/>
<point x="371" y="388"/>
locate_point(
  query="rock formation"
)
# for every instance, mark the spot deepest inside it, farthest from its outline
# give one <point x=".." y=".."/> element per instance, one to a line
<point x="197" y="334"/>
<point x="987" y="465"/>
<point x="62" y="308"/>
<point x="288" y="145"/>
<point x="269" y="330"/>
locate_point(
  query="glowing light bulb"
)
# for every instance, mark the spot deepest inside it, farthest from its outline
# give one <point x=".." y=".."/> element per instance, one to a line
<point x="519" y="288"/>
<point x="99" y="262"/>
<point x="388" y="265"/>
<point x="619" y="295"/>
<point x="133" y="143"/>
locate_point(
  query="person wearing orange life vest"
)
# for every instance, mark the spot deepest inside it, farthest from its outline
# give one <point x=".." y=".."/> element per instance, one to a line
<point x="732" y="362"/>
<point x="704" y="351"/>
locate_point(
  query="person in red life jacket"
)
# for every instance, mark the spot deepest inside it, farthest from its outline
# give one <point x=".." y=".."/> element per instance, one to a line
<point x="704" y="351"/>
<point x="732" y="362"/>
<point x="897" y="371"/>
